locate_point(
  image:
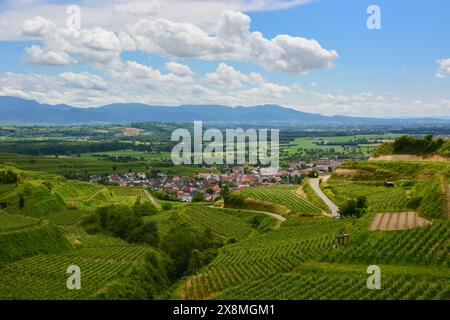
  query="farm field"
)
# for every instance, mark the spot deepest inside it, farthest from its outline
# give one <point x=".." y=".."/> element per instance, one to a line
<point x="75" y="165"/>
<point x="358" y="146"/>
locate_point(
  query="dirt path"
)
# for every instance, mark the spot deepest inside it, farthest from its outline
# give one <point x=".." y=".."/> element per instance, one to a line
<point x="315" y="185"/>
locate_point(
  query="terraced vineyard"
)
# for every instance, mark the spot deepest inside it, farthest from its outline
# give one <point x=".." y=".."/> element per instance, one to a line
<point x="13" y="222"/>
<point x="222" y="222"/>
<point x="273" y="252"/>
<point x="44" y="277"/>
<point x="421" y="246"/>
<point x="164" y="221"/>
<point x="283" y="195"/>
<point x="379" y="197"/>
<point x="350" y="284"/>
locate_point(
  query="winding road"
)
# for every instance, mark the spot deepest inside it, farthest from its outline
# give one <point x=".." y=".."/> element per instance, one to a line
<point x="315" y="185"/>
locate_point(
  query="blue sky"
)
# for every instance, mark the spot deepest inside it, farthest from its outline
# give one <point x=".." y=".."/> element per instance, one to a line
<point x="316" y="56"/>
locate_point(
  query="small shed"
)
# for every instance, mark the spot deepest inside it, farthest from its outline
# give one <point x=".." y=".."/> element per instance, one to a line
<point x="389" y="184"/>
<point x="341" y="239"/>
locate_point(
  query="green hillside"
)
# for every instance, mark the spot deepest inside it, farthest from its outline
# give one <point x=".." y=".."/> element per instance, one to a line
<point x="206" y="252"/>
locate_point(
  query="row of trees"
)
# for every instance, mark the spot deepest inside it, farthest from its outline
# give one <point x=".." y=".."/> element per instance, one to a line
<point x="412" y="145"/>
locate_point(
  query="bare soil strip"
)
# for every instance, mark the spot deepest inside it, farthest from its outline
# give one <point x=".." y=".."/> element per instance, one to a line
<point x="397" y="221"/>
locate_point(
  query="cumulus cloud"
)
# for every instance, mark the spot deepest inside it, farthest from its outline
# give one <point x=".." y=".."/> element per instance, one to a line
<point x="227" y="76"/>
<point x="65" y="88"/>
<point x="443" y="68"/>
<point x="39" y="56"/>
<point x="142" y="7"/>
<point x="179" y="69"/>
<point x="38" y="27"/>
<point x="95" y="46"/>
<point x="232" y="41"/>
<point x="101" y="13"/>
<point x="83" y="80"/>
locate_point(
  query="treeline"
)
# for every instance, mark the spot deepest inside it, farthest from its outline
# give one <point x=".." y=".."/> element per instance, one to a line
<point x="58" y="147"/>
<point x="412" y="145"/>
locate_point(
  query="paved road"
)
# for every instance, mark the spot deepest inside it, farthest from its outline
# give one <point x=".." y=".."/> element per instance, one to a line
<point x="315" y="185"/>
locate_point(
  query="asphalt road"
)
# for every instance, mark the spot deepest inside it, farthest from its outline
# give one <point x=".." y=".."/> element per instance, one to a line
<point x="315" y="185"/>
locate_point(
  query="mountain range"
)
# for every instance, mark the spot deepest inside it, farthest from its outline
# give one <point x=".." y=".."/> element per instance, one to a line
<point x="14" y="110"/>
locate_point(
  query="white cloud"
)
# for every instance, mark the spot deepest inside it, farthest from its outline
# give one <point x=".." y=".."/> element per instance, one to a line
<point x="83" y="80"/>
<point x="227" y="76"/>
<point x="38" y="56"/>
<point x="233" y="41"/>
<point x="101" y="13"/>
<point x="179" y="69"/>
<point x="95" y="46"/>
<point x="147" y="7"/>
<point x="443" y="68"/>
<point x="38" y="27"/>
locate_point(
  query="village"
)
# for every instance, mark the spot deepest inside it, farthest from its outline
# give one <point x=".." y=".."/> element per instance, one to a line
<point x="209" y="184"/>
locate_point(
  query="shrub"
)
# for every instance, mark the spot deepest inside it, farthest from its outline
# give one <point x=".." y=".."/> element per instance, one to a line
<point x="142" y="209"/>
<point x="8" y="177"/>
<point x="146" y="234"/>
<point x="119" y="221"/>
<point x="166" y="206"/>
<point x="355" y="207"/>
<point x="198" y="197"/>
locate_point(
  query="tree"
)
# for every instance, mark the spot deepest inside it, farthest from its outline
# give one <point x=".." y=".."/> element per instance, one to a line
<point x="198" y="197"/>
<point x="142" y="209"/>
<point x="179" y="244"/>
<point x="120" y="221"/>
<point x="225" y="191"/>
<point x="313" y="174"/>
<point x="147" y="233"/>
<point x="166" y="206"/>
<point x="355" y="207"/>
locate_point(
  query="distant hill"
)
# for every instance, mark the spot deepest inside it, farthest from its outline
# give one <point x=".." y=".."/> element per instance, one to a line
<point x="20" y="111"/>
